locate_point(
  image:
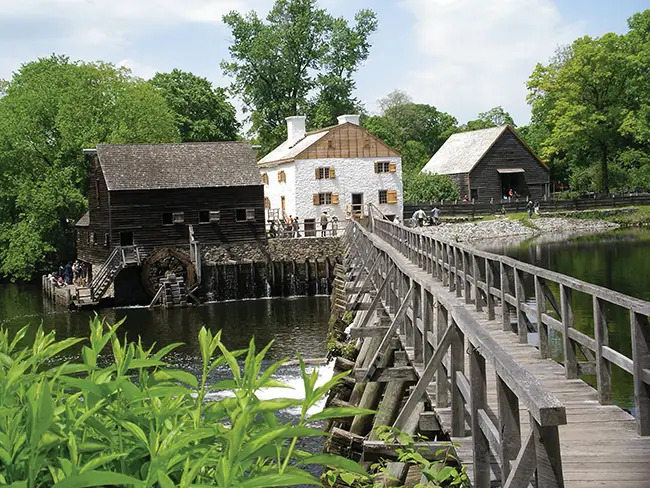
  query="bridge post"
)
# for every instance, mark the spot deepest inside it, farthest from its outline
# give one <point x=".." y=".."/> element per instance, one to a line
<point x="505" y="290"/>
<point x="458" y="279"/>
<point x="520" y="295"/>
<point x="641" y="362"/>
<point x="547" y="454"/>
<point x="418" y="316"/>
<point x="510" y="428"/>
<point x="570" y="361"/>
<point x="457" y="365"/>
<point x="442" y="321"/>
<point x="542" y="328"/>
<point x="427" y="324"/>
<point x="489" y="282"/>
<point x="476" y="274"/>
<point x="478" y="389"/>
<point x="603" y="368"/>
<point x="467" y="285"/>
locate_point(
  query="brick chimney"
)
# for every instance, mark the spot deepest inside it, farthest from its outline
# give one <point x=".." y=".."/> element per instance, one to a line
<point x="295" y="128"/>
<point x="344" y="119"/>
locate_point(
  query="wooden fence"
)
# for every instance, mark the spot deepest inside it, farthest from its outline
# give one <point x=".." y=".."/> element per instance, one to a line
<point x="519" y="205"/>
<point x="524" y="290"/>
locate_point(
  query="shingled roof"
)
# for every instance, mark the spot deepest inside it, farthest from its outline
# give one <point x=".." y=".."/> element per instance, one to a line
<point x="462" y="151"/>
<point x="186" y="165"/>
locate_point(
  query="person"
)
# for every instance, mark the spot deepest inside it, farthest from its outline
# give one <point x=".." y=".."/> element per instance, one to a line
<point x="397" y="220"/>
<point x="465" y="199"/>
<point x="76" y="272"/>
<point x="272" y="230"/>
<point x="68" y="273"/>
<point x="323" y="223"/>
<point x="52" y="278"/>
<point x="60" y="281"/>
<point x="296" y="227"/>
<point x="335" y="225"/>
<point x="536" y="207"/>
<point x="418" y="217"/>
<point x="62" y="270"/>
<point x="529" y="208"/>
<point x="436" y="215"/>
<point x="510" y="193"/>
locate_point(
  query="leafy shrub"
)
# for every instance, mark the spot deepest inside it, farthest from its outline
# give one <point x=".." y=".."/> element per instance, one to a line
<point x="138" y="422"/>
<point x="444" y="472"/>
<point x="427" y="187"/>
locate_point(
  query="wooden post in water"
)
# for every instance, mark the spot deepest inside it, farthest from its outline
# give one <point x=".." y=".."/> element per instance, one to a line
<point x="641" y="363"/>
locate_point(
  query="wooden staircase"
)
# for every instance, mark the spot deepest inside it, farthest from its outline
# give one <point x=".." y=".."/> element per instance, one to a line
<point x="121" y="257"/>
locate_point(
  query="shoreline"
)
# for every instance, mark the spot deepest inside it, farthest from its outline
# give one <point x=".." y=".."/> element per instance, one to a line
<point x="503" y="230"/>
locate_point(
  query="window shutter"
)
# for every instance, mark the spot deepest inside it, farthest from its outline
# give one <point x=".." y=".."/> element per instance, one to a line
<point x="335" y="198"/>
<point x="265" y="178"/>
<point x="316" y="199"/>
<point x="376" y="167"/>
<point x="317" y="173"/>
<point x="267" y="202"/>
<point x="392" y="167"/>
<point x="391" y="196"/>
<point x="332" y="173"/>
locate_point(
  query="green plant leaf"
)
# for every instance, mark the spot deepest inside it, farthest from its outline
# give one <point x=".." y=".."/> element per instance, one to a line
<point x="97" y="478"/>
<point x="277" y="479"/>
<point x="339" y="412"/>
<point x="336" y="462"/>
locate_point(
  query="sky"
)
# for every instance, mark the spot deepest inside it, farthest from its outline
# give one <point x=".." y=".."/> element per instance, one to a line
<point x="462" y="56"/>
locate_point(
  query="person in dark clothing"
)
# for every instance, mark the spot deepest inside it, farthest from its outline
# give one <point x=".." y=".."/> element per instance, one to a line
<point x="529" y="208"/>
<point x="61" y="270"/>
<point x="68" y="273"/>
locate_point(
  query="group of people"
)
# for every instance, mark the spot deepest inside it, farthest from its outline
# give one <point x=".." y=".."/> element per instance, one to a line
<point x="290" y="226"/>
<point x="71" y="273"/>
<point x="420" y="217"/>
<point x="532" y="207"/>
<point x="510" y="194"/>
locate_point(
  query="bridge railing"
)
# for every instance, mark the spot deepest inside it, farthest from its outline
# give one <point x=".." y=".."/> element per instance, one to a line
<point x="443" y="338"/>
<point x="540" y="301"/>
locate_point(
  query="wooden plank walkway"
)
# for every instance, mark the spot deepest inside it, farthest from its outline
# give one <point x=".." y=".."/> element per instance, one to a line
<point x="599" y="444"/>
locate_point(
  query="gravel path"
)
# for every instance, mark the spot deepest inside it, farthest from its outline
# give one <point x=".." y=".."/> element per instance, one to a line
<point x="504" y="228"/>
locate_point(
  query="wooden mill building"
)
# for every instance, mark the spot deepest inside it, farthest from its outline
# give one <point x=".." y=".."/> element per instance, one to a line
<point x="150" y="195"/>
<point x="486" y="164"/>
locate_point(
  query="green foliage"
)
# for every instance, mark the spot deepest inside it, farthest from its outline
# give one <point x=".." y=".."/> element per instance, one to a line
<point x="299" y="60"/>
<point x="438" y="474"/>
<point x="202" y="113"/>
<point x="494" y="117"/>
<point x="427" y="187"/>
<point x="138" y="422"/>
<point x="591" y="106"/>
<point x="52" y="108"/>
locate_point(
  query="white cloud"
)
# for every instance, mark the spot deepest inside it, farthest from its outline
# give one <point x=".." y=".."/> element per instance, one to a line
<point x="476" y="54"/>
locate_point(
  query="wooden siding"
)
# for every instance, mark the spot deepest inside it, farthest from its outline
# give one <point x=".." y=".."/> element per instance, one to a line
<point x="348" y="141"/>
<point x="507" y="152"/>
<point x="99" y="217"/>
<point x="142" y="213"/>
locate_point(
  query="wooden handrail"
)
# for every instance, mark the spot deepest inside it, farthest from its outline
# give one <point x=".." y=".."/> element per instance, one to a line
<point x="472" y="273"/>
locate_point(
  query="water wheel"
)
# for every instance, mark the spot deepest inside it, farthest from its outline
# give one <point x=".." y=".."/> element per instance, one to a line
<point x="165" y="259"/>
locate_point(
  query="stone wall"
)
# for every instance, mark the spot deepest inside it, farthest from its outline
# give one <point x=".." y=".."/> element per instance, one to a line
<point x="275" y="250"/>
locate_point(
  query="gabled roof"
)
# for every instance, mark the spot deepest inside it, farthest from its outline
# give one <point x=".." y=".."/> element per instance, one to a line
<point x="288" y="151"/>
<point x="185" y="165"/>
<point x="462" y="151"/>
<point x="84" y="221"/>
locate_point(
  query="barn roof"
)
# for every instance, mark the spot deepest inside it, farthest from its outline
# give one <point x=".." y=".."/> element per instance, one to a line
<point x="186" y="165"/>
<point x="462" y="151"/>
<point x="84" y="221"/>
<point x="289" y="150"/>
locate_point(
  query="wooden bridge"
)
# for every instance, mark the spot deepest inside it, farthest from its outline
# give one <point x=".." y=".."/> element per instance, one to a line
<point x="457" y="342"/>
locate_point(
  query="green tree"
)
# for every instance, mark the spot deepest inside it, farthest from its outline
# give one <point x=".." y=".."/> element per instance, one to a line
<point x="52" y="108"/>
<point x="299" y="60"/>
<point x="202" y="112"/>
<point x="427" y="187"/>
<point x="494" y="117"/>
<point x="582" y="96"/>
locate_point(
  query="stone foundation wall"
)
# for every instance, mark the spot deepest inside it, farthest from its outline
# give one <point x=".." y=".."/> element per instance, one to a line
<point x="275" y="250"/>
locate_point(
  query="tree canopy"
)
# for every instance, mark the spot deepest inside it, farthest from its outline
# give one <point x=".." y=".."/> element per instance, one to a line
<point x="494" y="117"/>
<point x="299" y="60"/>
<point x="202" y="112"/>
<point x="50" y="110"/>
<point x="591" y="106"/>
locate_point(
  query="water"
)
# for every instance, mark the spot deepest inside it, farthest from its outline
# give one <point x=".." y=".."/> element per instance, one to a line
<point x="618" y="260"/>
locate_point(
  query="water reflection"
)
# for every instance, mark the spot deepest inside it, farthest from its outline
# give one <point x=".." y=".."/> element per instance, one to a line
<point x="617" y="260"/>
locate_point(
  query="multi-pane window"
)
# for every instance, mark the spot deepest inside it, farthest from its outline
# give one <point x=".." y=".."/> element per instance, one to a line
<point x="265" y="178"/>
<point x="267" y="203"/>
<point x="244" y="214"/>
<point x="324" y="173"/>
<point x="382" y="167"/>
<point x="215" y="215"/>
<point x="326" y="198"/>
<point x="171" y="218"/>
<point x="282" y="177"/>
<point x="383" y="196"/>
<point x="204" y="216"/>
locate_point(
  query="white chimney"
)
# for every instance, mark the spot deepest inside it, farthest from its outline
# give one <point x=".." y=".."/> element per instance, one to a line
<point x="295" y="128"/>
<point x="344" y="119"/>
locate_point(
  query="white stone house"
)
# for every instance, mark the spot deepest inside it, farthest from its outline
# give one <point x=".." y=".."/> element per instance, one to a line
<point x="338" y="170"/>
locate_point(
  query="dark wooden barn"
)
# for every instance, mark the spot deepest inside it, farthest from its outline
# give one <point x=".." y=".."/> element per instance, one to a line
<point x="486" y="164"/>
<point x="150" y="195"/>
